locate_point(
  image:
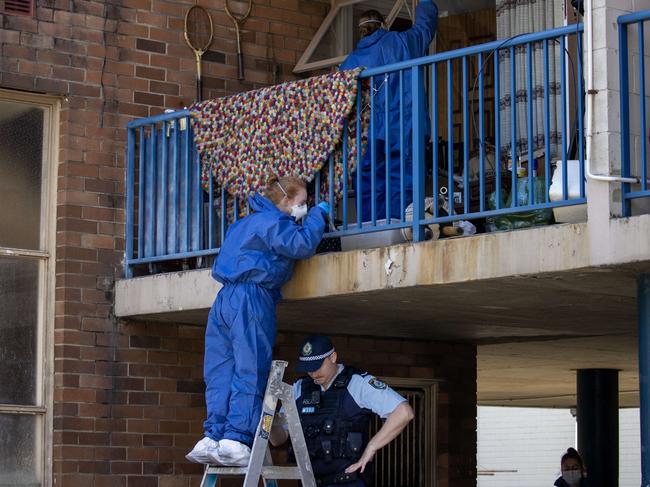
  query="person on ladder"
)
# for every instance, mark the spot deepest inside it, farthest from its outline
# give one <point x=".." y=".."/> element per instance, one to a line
<point x="335" y="404"/>
<point x="256" y="259"/>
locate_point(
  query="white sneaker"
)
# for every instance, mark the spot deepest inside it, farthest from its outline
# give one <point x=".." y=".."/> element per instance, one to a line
<point x="233" y="454"/>
<point x="203" y="451"/>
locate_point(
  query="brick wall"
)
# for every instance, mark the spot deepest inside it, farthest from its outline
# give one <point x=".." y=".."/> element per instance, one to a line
<point x="111" y="61"/>
<point x="149" y="406"/>
<point x="128" y="400"/>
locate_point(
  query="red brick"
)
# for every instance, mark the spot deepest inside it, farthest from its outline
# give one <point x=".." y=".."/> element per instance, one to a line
<point x="141" y="454"/>
<point x="109" y="481"/>
<point x="142" y="481"/>
<point x="157" y="440"/>
<point x="161" y="385"/>
<point x="97" y="241"/>
<point x="128" y="468"/>
<point x="164" y="88"/>
<point x="111" y="173"/>
<point x="150" y="73"/>
<point x="148" y="98"/>
<point x="144" y="398"/>
<point x="143" y="426"/>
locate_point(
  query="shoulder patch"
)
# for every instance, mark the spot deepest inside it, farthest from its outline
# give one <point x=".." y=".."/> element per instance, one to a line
<point x="377" y="384"/>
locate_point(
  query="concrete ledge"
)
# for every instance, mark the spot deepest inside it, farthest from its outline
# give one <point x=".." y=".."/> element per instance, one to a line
<point x="493" y="256"/>
<point x="486" y="256"/>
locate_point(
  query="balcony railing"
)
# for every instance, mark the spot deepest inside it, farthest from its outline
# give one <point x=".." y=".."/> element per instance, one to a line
<point x="459" y="101"/>
<point x="634" y="128"/>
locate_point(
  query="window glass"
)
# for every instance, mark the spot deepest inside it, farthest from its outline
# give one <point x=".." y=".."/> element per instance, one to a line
<point x="21" y="160"/>
<point x="18" y="331"/>
<point x="19" y="450"/>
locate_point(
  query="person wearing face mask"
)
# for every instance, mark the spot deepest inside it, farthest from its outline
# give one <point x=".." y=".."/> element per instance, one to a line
<point x="256" y="259"/>
<point x="573" y="470"/>
<point x="380" y="47"/>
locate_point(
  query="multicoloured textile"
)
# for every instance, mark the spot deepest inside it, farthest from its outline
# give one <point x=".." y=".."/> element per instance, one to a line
<point x="289" y="130"/>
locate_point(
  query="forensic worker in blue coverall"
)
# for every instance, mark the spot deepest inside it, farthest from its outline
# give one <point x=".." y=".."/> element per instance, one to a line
<point x="379" y="47"/>
<point x="255" y="261"/>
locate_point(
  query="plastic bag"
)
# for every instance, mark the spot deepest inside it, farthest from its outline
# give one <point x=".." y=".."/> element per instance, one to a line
<point x="522" y="219"/>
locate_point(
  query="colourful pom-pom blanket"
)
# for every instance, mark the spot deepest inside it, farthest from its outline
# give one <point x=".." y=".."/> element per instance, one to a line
<point x="287" y="130"/>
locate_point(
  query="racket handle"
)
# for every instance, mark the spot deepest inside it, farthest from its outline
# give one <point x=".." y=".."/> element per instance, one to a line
<point x="240" y="66"/>
<point x="199" y="89"/>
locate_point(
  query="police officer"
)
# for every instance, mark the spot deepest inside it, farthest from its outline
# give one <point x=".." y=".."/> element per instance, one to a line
<point x="335" y="403"/>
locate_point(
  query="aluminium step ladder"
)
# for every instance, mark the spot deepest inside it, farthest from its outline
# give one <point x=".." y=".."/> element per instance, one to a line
<point x="260" y="464"/>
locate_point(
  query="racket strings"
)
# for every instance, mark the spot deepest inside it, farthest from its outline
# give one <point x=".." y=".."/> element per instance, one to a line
<point x="238" y="19"/>
<point x="198" y="28"/>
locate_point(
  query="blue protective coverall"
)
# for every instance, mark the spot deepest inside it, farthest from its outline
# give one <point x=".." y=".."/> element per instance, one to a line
<point x="380" y="49"/>
<point x="255" y="261"/>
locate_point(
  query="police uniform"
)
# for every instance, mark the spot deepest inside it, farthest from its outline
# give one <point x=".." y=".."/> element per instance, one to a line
<point x="336" y="419"/>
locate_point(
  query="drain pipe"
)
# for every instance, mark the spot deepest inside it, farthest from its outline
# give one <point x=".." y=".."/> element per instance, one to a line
<point x="591" y="93"/>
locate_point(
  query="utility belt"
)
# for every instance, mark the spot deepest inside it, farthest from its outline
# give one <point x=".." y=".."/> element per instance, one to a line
<point x="349" y="446"/>
<point x="328" y="448"/>
<point x="338" y="478"/>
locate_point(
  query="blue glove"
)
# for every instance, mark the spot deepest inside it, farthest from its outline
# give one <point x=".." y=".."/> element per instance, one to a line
<point x="323" y="205"/>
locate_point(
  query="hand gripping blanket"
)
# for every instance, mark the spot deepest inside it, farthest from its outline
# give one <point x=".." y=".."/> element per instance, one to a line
<point x="288" y="130"/>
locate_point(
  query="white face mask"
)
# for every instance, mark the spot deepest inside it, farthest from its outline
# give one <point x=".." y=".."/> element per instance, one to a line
<point x="571" y="477"/>
<point x="299" y="211"/>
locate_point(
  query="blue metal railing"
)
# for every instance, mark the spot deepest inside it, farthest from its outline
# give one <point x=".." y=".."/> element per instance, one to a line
<point x="640" y="190"/>
<point x="177" y="219"/>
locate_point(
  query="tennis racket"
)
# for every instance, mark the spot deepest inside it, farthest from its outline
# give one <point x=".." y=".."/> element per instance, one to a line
<point x="199" y="32"/>
<point x="239" y="21"/>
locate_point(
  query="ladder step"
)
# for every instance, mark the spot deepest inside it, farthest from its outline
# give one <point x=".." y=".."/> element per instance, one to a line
<point x="227" y="471"/>
<point x="271" y="472"/>
<point x="281" y="473"/>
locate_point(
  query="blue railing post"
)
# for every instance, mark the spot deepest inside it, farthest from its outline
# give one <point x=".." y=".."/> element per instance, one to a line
<point x="625" y="112"/>
<point x="644" y="130"/>
<point x="130" y="188"/>
<point x="643" y="297"/>
<point x="141" y="187"/>
<point x="418" y="114"/>
<point x="181" y="211"/>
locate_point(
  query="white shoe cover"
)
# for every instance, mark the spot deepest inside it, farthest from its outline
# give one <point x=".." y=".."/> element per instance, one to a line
<point x="203" y="451"/>
<point x="233" y="454"/>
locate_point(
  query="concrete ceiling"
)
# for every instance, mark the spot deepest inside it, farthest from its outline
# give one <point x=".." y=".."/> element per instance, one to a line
<point x="532" y="332"/>
<point x="543" y="373"/>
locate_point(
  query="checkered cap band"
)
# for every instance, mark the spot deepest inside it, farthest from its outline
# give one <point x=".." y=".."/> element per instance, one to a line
<point x="316" y="357"/>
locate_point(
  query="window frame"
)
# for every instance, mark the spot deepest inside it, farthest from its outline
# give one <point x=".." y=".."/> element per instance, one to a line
<point x="303" y="65"/>
<point x="46" y="256"/>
